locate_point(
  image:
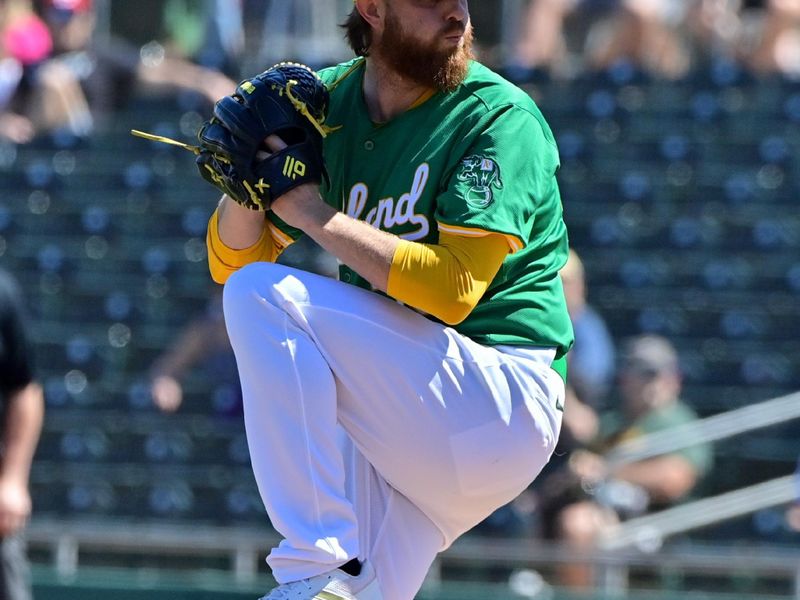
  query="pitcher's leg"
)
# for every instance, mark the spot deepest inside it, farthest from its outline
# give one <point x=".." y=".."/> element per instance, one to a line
<point x="289" y="398"/>
<point x="458" y="428"/>
<point x="394" y="535"/>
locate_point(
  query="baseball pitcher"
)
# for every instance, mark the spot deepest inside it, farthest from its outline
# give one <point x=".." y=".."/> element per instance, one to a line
<point x="391" y="411"/>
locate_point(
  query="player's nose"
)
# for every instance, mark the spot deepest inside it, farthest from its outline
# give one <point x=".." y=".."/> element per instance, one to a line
<point x="458" y="10"/>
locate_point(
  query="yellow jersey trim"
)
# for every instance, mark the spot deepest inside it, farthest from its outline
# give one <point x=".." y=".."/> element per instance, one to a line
<point x="426" y="95"/>
<point x="281" y="239"/>
<point x="356" y="64"/>
<point x="513" y="241"/>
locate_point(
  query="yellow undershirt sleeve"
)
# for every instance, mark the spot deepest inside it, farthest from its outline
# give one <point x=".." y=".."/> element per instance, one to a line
<point x="223" y="261"/>
<point x="447" y="279"/>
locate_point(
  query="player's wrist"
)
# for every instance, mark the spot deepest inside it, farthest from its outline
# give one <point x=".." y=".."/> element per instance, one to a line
<point x="236" y="226"/>
<point x="303" y="207"/>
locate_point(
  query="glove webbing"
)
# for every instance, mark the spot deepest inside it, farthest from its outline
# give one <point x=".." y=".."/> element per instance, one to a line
<point x="298" y="104"/>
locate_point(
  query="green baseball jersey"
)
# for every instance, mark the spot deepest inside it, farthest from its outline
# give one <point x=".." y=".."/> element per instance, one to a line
<point x="480" y="159"/>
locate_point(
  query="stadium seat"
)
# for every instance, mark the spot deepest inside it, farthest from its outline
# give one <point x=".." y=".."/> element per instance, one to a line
<point x="138" y="176"/>
<point x="167" y="447"/>
<point x="705" y="107"/>
<point x="171" y="498"/>
<point x="39" y="174"/>
<point x="244" y="504"/>
<point x="91" y="444"/>
<point x="96" y="497"/>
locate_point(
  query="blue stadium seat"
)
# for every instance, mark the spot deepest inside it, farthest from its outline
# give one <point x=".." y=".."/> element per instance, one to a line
<point x="740" y="188"/>
<point x="640" y="272"/>
<point x="118" y="305"/>
<point x="243" y="503"/>
<point x="744" y="324"/>
<point x="238" y="451"/>
<point x="171" y="498"/>
<point x="606" y="230"/>
<point x="39" y="174"/>
<point x="773" y="233"/>
<point x="602" y="104"/>
<point x="667" y="321"/>
<point x="194" y="220"/>
<point x="6" y="219"/>
<point x="51" y="258"/>
<point x="96" y="219"/>
<point x="55" y="391"/>
<point x="90" y="444"/>
<point x="705" y="107"/>
<point x="765" y="368"/>
<point x="791" y="107"/>
<point x="156" y="260"/>
<point x="724" y="73"/>
<point x="636" y="186"/>
<point x="676" y="146"/>
<point x="168" y="447"/>
<point x="687" y="232"/>
<point x="727" y="273"/>
<point x="97" y="497"/>
<point x="774" y="149"/>
<point x="138" y="176"/>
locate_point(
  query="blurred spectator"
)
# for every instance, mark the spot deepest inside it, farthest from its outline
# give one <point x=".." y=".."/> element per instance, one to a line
<point x="591" y="370"/>
<point x="23" y="410"/>
<point x="778" y="47"/>
<point x="25" y="37"/>
<point x="592" y="358"/>
<point x="793" y="512"/>
<point x="210" y="32"/>
<point x="648" y="34"/>
<point x="13" y="126"/>
<point x="593" y="497"/>
<point x="657" y="36"/>
<point x="715" y="29"/>
<point x="553" y="32"/>
<point x="303" y="30"/>
<point x="203" y="343"/>
<point x="35" y="95"/>
<point x="109" y="70"/>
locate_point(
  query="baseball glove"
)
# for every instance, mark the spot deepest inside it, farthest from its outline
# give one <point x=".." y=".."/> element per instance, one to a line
<point x="289" y="101"/>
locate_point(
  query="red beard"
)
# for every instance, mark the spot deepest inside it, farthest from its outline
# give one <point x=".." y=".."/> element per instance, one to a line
<point x="426" y="64"/>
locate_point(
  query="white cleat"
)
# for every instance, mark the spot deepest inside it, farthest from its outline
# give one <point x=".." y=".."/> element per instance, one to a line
<point x="333" y="585"/>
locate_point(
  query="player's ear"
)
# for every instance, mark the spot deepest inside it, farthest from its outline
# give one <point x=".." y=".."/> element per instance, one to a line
<point x="373" y="12"/>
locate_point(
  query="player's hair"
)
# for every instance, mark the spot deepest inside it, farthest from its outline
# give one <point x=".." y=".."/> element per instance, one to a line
<point x="358" y="33"/>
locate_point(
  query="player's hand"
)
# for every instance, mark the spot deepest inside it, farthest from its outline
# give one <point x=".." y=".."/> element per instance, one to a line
<point x="589" y="467"/>
<point x="167" y="393"/>
<point x="15" y="506"/>
<point x="16" y="128"/>
<point x="216" y="85"/>
<point x="298" y="203"/>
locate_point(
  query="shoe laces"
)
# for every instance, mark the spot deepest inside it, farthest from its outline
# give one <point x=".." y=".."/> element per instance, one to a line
<point x="294" y="590"/>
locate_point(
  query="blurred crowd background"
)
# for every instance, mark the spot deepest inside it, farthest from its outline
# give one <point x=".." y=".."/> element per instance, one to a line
<point x="678" y="123"/>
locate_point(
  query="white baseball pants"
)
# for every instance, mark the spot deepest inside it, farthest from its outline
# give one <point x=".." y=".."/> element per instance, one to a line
<point x="375" y="432"/>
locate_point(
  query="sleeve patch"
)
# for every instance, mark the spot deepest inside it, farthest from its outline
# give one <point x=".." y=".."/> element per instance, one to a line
<point x="482" y="176"/>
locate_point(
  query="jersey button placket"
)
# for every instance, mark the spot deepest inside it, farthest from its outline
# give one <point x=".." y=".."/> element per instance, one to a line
<point x="369" y="145"/>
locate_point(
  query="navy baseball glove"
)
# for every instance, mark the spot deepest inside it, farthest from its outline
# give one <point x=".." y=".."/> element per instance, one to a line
<point x="288" y="100"/>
